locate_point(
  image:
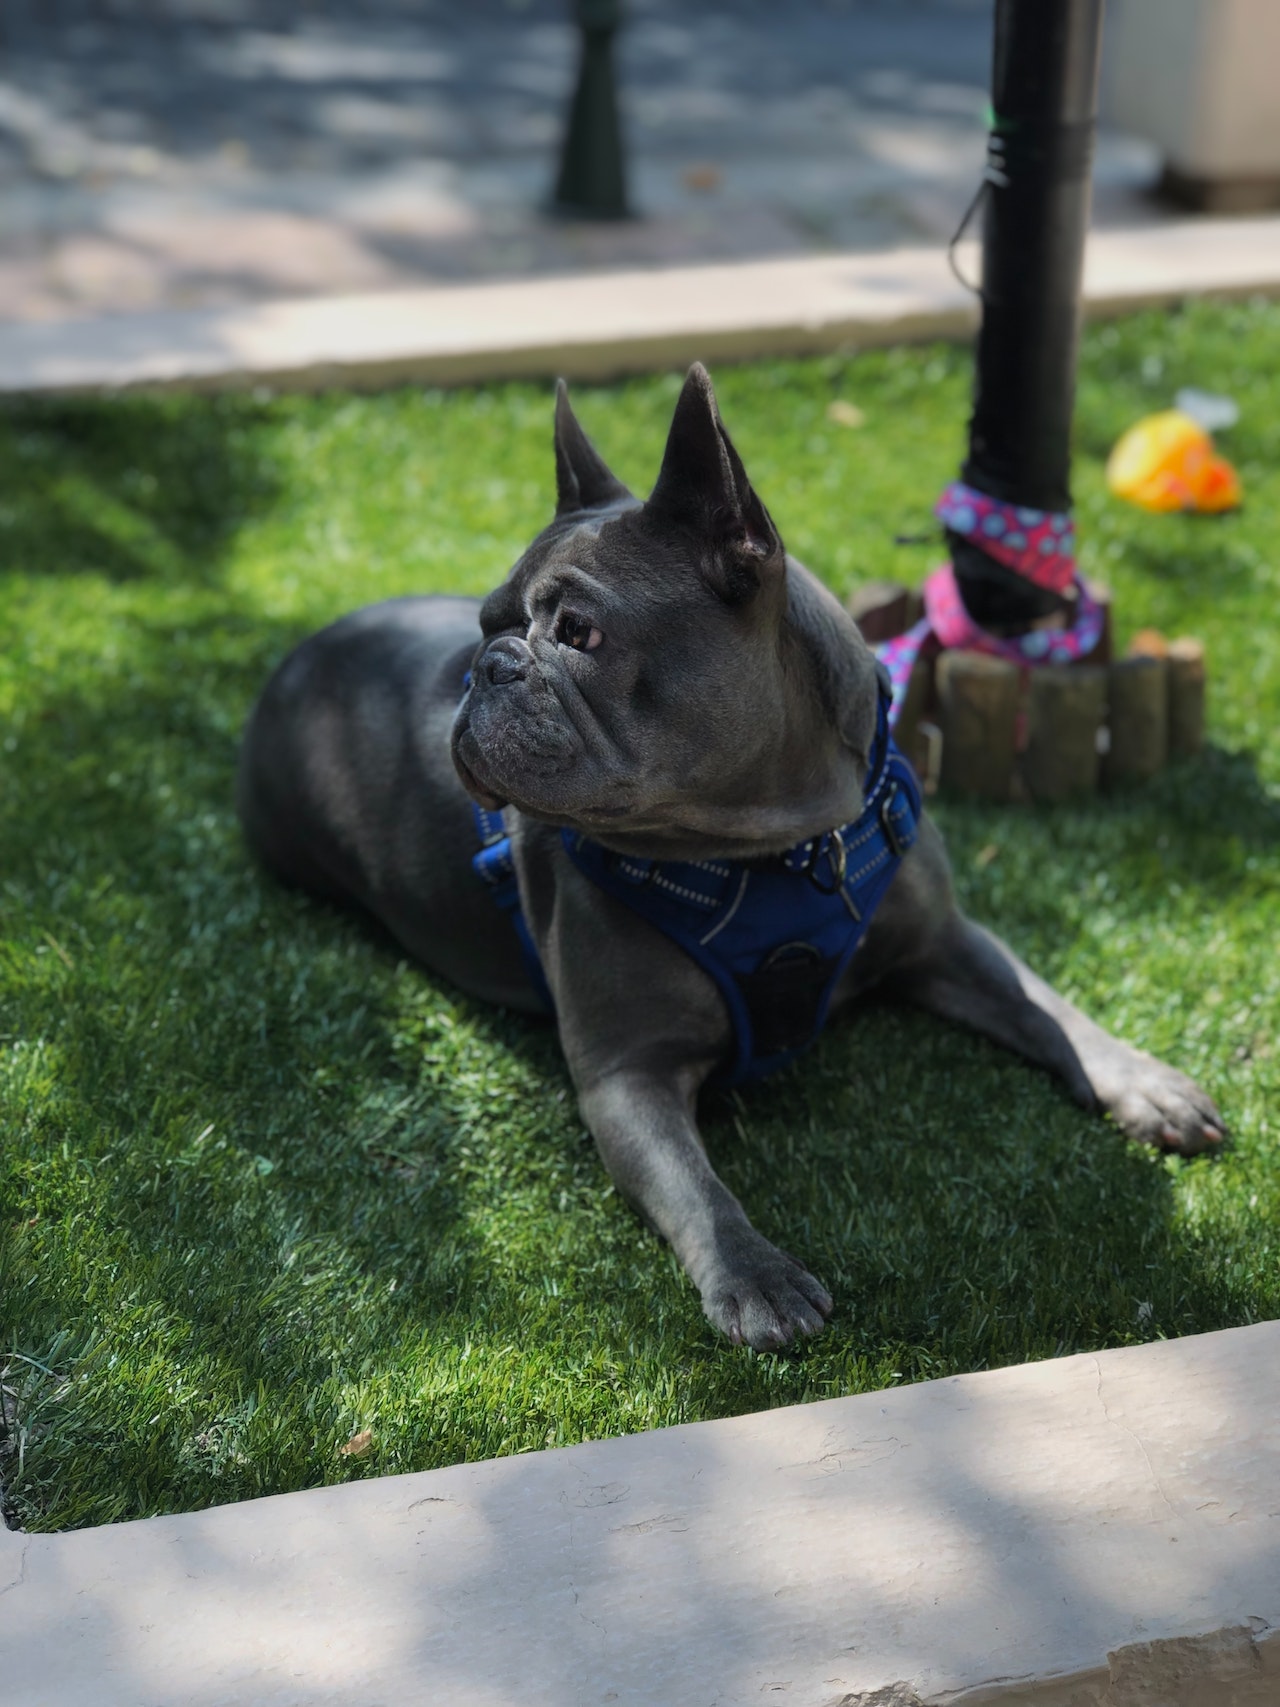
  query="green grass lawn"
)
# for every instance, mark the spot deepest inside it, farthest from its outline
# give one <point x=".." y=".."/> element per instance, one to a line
<point x="264" y="1185"/>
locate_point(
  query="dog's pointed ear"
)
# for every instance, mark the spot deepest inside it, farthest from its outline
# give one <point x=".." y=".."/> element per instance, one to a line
<point x="584" y="480"/>
<point x="702" y="485"/>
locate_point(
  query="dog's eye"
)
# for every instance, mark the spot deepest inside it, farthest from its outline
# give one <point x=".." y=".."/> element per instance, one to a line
<point x="577" y="632"/>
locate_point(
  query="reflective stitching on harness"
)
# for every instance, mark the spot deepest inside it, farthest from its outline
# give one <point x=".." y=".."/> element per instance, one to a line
<point x="861" y="839"/>
<point x="776" y="999"/>
<point x="877" y="859"/>
<point x="653" y="876"/>
<point x="661" y="882"/>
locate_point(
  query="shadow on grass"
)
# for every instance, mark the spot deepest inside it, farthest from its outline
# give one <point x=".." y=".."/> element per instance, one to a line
<point x="128" y="488"/>
<point x="272" y="1182"/>
<point x="266" y="1185"/>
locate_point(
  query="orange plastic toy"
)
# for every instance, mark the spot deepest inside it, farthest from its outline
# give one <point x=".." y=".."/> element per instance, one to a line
<point x="1167" y="462"/>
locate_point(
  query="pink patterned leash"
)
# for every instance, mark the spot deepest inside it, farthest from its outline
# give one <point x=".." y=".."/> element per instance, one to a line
<point x="1037" y="544"/>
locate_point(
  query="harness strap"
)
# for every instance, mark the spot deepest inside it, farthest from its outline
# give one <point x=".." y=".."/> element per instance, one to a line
<point x="776" y="935"/>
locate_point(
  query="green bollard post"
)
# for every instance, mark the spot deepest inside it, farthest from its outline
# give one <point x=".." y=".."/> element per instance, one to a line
<point x="591" y="183"/>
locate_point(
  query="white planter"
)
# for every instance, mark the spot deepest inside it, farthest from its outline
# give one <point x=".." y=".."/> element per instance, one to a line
<point x="1201" y="79"/>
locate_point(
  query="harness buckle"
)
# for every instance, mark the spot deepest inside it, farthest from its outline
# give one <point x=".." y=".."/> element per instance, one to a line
<point x="837" y="858"/>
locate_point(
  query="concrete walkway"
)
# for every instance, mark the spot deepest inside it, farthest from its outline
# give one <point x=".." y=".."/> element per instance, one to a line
<point x="1093" y="1531"/>
<point x="306" y="192"/>
<point x="175" y="154"/>
<point x="598" y="326"/>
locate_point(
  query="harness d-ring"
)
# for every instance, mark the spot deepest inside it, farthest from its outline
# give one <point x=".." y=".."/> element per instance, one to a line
<point x="837" y="858"/>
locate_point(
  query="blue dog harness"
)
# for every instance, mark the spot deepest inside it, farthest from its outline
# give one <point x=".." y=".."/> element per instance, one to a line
<point x="776" y="934"/>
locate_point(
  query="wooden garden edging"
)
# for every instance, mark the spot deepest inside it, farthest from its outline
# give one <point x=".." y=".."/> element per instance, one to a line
<point x="977" y="726"/>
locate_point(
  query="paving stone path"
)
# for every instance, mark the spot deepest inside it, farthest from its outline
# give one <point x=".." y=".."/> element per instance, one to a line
<point x="174" y="153"/>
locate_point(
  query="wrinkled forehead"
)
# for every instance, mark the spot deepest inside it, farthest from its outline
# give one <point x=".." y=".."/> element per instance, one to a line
<point x="605" y="557"/>
<point x="557" y="551"/>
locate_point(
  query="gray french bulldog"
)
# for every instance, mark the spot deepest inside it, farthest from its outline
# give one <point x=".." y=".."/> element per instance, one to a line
<point x="663" y="679"/>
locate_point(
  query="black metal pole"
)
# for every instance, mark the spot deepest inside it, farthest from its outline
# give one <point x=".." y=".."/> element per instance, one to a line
<point x="591" y="183"/>
<point x="1036" y="215"/>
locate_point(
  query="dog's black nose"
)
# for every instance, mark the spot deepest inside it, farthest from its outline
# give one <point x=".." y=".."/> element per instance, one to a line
<point x="507" y="660"/>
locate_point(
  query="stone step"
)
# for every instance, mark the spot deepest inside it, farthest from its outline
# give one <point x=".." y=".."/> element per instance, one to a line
<point x="601" y="325"/>
<point x="1091" y="1531"/>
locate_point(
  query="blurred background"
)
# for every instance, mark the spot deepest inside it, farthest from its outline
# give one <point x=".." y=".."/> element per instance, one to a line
<point x="193" y="153"/>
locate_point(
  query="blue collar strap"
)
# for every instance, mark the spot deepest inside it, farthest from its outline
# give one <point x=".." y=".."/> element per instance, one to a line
<point x="775" y="934"/>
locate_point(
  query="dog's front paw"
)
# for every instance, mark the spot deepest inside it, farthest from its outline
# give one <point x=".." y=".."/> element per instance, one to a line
<point x="1159" y="1105"/>
<point x="763" y="1298"/>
